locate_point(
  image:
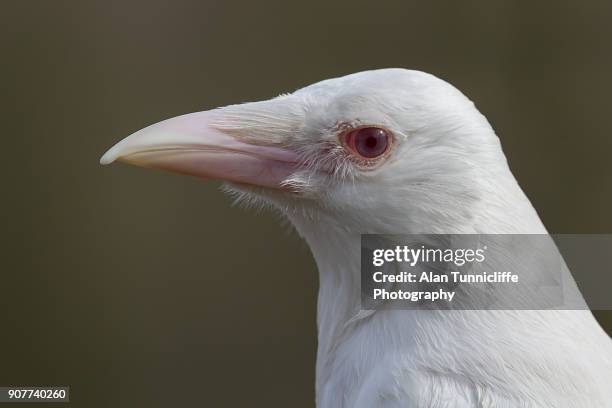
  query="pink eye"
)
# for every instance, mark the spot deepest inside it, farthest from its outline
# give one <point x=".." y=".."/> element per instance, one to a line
<point x="368" y="142"/>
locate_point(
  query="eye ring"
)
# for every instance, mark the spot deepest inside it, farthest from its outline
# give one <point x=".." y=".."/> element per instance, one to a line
<point x="367" y="143"/>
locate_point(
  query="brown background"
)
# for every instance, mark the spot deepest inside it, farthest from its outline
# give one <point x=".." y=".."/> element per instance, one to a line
<point x="146" y="289"/>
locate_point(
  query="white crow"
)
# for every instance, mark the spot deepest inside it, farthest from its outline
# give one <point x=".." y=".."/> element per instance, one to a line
<point x="391" y="151"/>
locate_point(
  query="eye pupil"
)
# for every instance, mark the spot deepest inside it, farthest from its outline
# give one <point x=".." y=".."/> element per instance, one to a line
<point x="369" y="142"/>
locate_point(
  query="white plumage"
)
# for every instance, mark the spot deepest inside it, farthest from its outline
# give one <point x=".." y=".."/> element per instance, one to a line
<point x="445" y="174"/>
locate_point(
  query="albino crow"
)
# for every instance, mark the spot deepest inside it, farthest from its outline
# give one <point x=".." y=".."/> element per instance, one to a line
<point x="391" y="151"/>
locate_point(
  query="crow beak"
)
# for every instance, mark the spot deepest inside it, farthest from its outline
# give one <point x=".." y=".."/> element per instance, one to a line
<point x="190" y="144"/>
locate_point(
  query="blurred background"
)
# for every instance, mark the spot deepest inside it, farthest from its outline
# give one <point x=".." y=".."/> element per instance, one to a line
<point x="114" y="279"/>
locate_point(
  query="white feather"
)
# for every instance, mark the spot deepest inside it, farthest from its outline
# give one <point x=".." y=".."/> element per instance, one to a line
<point x="448" y="174"/>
